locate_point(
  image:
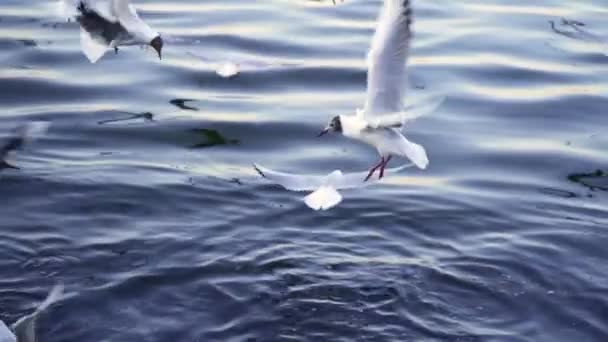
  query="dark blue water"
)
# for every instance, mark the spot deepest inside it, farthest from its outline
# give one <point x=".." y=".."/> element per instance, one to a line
<point x="165" y="233"/>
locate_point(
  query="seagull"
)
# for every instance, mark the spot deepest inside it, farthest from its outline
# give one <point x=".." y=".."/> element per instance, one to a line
<point x="324" y="188"/>
<point x="23" y="135"/>
<point x="24" y="330"/>
<point x="109" y="24"/>
<point x="580" y="33"/>
<point x="379" y="123"/>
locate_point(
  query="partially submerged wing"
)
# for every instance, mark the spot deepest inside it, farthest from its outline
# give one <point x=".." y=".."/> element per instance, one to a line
<point x="357" y="179"/>
<point x="296" y="182"/>
<point x="324" y="198"/>
<point x="25" y="328"/>
<point x="290" y="181"/>
<point x="387" y="57"/>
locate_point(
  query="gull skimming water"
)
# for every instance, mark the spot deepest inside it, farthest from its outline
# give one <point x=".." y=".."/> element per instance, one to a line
<point x="109" y="24"/>
<point x="379" y="123"/>
<point x="324" y="188"/>
<point x="24" y="330"/>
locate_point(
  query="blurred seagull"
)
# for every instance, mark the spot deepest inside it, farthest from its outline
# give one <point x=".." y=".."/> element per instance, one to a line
<point x="109" y="24"/>
<point x="379" y="123"/>
<point x="24" y="330"/>
<point x="324" y="188"/>
<point x="579" y="33"/>
<point x="23" y="135"/>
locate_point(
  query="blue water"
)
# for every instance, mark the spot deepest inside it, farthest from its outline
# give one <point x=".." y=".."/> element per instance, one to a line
<point x="164" y="235"/>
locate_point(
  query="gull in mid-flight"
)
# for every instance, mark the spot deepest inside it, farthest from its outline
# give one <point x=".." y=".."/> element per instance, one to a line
<point x="24" y="330"/>
<point x="22" y="136"/>
<point x="324" y="188"/>
<point x="379" y="123"/>
<point x="579" y="33"/>
<point x="109" y="24"/>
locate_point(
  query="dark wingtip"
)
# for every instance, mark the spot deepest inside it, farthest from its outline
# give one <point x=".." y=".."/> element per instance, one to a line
<point x="5" y="165"/>
<point x="257" y="169"/>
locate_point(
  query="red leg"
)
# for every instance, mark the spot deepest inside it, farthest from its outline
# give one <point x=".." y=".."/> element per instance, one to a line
<point x="371" y="172"/>
<point x="384" y="166"/>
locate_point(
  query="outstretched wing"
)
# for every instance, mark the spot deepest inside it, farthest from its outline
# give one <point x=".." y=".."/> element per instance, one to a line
<point x="387" y="58"/>
<point x="357" y="179"/>
<point x="25" y="328"/>
<point x="290" y="181"/>
<point x="6" y="335"/>
<point x="409" y="113"/>
<point x="128" y="17"/>
<point x="326" y="197"/>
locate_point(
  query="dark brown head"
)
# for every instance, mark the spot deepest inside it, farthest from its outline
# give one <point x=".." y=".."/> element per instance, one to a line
<point x="335" y="125"/>
<point x="157" y="44"/>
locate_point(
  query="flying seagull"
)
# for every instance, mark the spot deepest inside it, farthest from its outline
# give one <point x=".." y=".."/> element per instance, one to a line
<point x="379" y="123"/>
<point x="109" y="24"/>
<point x="22" y="136"/>
<point x="24" y="330"/>
<point x="580" y="33"/>
<point x="324" y="188"/>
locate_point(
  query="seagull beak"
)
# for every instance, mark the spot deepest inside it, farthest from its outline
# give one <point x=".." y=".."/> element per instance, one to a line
<point x="323" y="132"/>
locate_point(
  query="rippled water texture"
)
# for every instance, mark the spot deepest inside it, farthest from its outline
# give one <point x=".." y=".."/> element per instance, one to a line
<point x="142" y="199"/>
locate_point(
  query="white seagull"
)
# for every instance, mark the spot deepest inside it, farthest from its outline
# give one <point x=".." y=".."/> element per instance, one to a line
<point x="24" y="330"/>
<point x="109" y="24"/>
<point x="379" y="123"/>
<point x="324" y="188"/>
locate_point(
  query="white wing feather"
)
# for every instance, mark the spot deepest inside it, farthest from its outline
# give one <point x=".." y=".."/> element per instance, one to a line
<point x="296" y="182"/>
<point x="92" y="48"/>
<point x="386" y="59"/>
<point x="291" y="182"/>
<point x="324" y="198"/>
<point x="416" y="153"/>
<point x="5" y="334"/>
<point x="408" y="114"/>
<point x="128" y="17"/>
<point x="25" y="328"/>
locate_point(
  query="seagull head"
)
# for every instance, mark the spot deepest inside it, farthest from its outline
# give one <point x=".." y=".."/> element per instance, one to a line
<point x="335" y="125"/>
<point x="157" y="44"/>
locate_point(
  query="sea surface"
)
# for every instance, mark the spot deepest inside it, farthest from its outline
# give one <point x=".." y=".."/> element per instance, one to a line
<point x="143" y="201"/>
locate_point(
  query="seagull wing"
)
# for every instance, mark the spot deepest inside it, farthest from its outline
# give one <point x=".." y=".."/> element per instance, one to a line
<point x="93" y="48"/>
<point x="290" y="181"/>
<point x="409" y="113"/>
<point x="25" y="328"/>
<point x="355" y="180"/>
<point x="387" y="58"/>
<point x="6" y="335"/>
<point x="128" y="17"/>
<point x="324" y="198"/>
